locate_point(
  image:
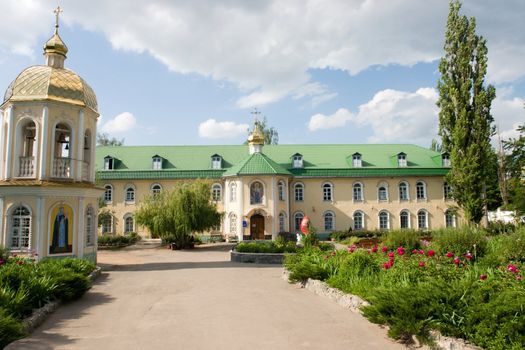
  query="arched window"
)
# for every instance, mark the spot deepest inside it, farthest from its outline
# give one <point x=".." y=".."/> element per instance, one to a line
<point x="299" y="192"/>
<point x="216" y="192"/>
<point x="108" y="194"/>
<point x="20" y="228"/>
<point x="233" y="223"/>
<point x="384" y="222"/>
<point x="282" y="222"/>
<point x="298" y="217"/>
<point x="130" y="195"/>
<point x="63" y="144"/>
<point x="358" y="220"/>
<point x="233" y="191"/>
<point x="382" y="194"/>
<point x="404" y="219"/>
<point x="403" y="191"/>
<point x="90" y="226"/>
<point x="447" y="191"/>
<point x="129" y="224"/>
<point x="327" y="192"/>
<point x="358" y="192"/>
<point x="256" y="193"/>
<point x="107" y="223"/>
<point x="281" y="188"/>
<point x="422" y="219"/>
<point x="27" y="152"/>
<point x="450" y="218"/>
<point x="421" y="190"/>
<point x="329" y="221"/>
<point x="156" y="189"/>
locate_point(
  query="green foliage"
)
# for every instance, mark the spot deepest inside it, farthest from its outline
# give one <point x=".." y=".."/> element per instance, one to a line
<point x="410" y="239"/>
<point x="174" y="215"/>
<point x="460" y="241"/>
<point x="103" y="139"/>
<point x="118" y="240"/>
<point x="4" y="253"/>
<point x="10" y="329"/>
<point x="310" y="240"/>
<point x="266" y="247"/>
<point x="465" y="122"/>
<point x="506" y="248"/>
<point x="271" y="135"/>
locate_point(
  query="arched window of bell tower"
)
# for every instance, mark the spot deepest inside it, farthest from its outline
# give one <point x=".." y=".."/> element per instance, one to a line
<point x="63" y="151"/>
<point x="27" y="149"/>
<point x="86" y="159"/>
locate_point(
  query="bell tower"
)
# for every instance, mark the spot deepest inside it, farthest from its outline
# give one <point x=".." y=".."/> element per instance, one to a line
<point x="48" y="120"/>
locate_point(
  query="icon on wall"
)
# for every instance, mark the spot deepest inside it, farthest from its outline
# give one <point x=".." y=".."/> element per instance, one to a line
<point x="61" y="238"/>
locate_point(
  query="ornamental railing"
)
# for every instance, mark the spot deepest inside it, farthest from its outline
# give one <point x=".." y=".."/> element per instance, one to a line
<point x="27" y="167"/>
<point x="85" y="171"/>
<point x="62" y="168"/>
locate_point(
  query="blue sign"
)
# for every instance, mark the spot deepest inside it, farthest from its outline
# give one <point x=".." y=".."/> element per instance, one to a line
<point x="244" y="223"/>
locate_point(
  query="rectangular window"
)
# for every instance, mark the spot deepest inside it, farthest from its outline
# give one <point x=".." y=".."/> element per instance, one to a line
<point x="216" y="162"/>
<point x="358" y="222"/>
<point x="404" y="223"/>
<point x="281" y="223"/>
<point x="299" y="194"/>
<point x="356" y="161"/>
<point x="157" y="163"/>
<point x="297" y="161"/>
<point x="327" y="193"/>
<point x="447" y="191"/>
<point x="402" y="160"/>
<point x="108" y="163"/>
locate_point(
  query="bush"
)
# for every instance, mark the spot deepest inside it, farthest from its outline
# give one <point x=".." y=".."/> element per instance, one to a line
<point x="266" y="247"/>
<point x="506" y="248"/>
<point x="4" y="253"/>
<point x="306" y="264"/>
<point x="10" y="329"/>
<point x="409" y="239"/>
<point x="460" y="241"/>
<point x="118" y="240"/>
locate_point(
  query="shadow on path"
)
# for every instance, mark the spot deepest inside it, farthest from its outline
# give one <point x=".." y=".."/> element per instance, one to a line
<point x="163" y="266"/>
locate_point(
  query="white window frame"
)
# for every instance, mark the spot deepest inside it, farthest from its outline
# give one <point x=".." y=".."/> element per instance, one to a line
<point x="356" y="160"/>
<point x="407" y="192"/>
<point x="402" y="160"/>
<point x="407" y="212"/>
<point x="447" y="191"/>
<point x="20" y="227"/>
<point x="297" y="161"/>
<point x="216" y="162"/>
<point x="157" y="163"/>
<point x="296" y="215"/>
<point x="129" y="194"/>
<point x="90" y="226"/>
<point x="216" y="192"/>
<point x="445" y="160"/>
<point x="328" y="192"/>
<point x="379" y="199"/>
<point x="362" y="215"/>
<point x="420" y="184"/>
<point x="127" y="217"/>
<point x="109" y="163"/>
<point x="233" y="191"/>
<point x="106" y="188"/>
<point x="419" y="227"/>
<point x="329" y="214"/>
<point x="106" y="224"/>
<point x="360" y="197"/>
<point x="298" y="190"/>
<point x="281" y="189"/>
<point x="381" y="215"/>
<point x="282" y="222"/>
<point x="450" y="214"/>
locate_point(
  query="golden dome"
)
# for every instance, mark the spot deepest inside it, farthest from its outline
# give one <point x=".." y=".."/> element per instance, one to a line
<point x="55" y="45"/>
<point x="256" y="137"/>
<point x="50" y="83"/>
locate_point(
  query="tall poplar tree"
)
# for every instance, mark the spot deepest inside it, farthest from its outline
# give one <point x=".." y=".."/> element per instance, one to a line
<point x="465" y="121"/>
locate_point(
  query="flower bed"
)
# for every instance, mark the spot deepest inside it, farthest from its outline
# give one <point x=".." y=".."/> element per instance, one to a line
<point x="460" y="284"/>
<point x="262" y="252"/>
<point x="26" y="285"/>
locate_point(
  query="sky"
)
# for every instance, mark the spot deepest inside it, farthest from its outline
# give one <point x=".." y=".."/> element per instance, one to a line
<point x="170" y="72"/>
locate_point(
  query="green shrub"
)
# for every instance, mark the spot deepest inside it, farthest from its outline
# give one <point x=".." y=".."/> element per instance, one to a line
<point x="308" y="263"/>
<point x="266" y="247"/>
<point x="506" y="248"/>
<point x="460" y="241"/>
<point x="10" y="328"/>
<point x="340" y="235"/>
<point x="409" y="239"/>
<point x="4" y="253"/>
<point x="118" y="240"/>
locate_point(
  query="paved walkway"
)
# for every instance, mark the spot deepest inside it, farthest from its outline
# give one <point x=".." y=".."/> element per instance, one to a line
<point x="159" y="299"/>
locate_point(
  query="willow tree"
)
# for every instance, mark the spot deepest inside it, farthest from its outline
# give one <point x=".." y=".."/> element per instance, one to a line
<point x="174" y="215"/>
<point x="465" y="121"/>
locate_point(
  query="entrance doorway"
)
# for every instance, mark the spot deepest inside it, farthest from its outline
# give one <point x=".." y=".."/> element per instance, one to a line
<point x="257" y="226"/>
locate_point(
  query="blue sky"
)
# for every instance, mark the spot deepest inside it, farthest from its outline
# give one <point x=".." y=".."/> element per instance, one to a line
<point x="175" y="72"/>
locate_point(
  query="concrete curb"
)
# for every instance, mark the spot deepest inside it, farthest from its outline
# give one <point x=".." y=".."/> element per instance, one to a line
<point x="354" y="304"/>
<point x="257" y="258"/>
<point x="39" y="315"/>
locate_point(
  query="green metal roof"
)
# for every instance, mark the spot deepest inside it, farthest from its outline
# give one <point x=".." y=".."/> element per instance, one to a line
<point x="256" y="164"/>
<point x="135" y="162"/>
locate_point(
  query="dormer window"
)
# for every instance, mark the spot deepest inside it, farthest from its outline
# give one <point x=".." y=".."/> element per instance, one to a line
<point x="216" y="162"/>
<point x="356" y="160"/>
<point x="402" y="160"/>
<point x="157" y="163"/>
<point x="297" y="160"/>
<point x="109" y="163"/>
<point x="445" y="159"/>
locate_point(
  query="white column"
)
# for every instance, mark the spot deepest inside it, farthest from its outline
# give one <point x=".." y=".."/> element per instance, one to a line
<point x="43" y="144"/>
<point x="3" y="230"/>
<point x="2" y="146"/>
<point x="80" y="147"/>
<point x="38" y="228"/>
<point x="275" y="215"/>
<point x="80" y="229"/>
<point x="9" y="141"/>
<point x="288" y="215"/>
<point x="240" y="209"/>
<point x="93" y="144"/>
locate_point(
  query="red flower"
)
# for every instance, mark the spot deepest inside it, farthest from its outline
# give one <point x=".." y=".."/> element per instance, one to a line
<point x="352" y="248"/>
<point x="390" y="254"/>
<point x="483" y="277"/>
<point x="384" y="249"/>
<point x="457" y="261"/>
<point x="400" y="251"/>
<point x="469" y="256"/>
<point x="421" y="251"/>
<point x="374" y="249"/>
<point x="431" y="253"/>
<point x="388" y="265"/>
<point x="421" y="264"/>
<point x="512" y="268"/>
<point x="518" y="278"/>
<point x="415" y="251"/>
<point x="449" y="255"/>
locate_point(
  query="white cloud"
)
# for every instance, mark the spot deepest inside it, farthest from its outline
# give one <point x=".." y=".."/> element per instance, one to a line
<point x="122" y="123"/>
<point x="508" y="115"/>
<point x="221" y="130"/>
<point x="394" y="116"/>
<point x="268" y="47"/>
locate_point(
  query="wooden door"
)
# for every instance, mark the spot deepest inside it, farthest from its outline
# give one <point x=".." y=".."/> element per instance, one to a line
<point x="257" y="227"/>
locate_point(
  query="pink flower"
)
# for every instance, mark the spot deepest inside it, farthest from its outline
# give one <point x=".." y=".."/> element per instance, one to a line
<point x="421" y="264"/>
<point x="483" y="277"/>
<point x="400" y="251"/>
<point x="449" y="255"/>
<point x="415" y="251"/>
<point x="512" y="268"/>
<point x="384" y="249"/>
<point x="352" y="248"/>
<point x="388" y="265"/>
<point x="457" y="261"/>
<point x="421" y="251"/>
<point x="468" y="256"/>
<point x="518" y="278"/>
<point x="431" y="253"/>
<point x="390" y="254"/>
<point x="374" y="249"/>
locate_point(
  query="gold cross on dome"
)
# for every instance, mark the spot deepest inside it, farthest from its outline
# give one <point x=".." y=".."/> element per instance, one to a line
<point x="255" y="113"/>
<point x="57" y="12"/>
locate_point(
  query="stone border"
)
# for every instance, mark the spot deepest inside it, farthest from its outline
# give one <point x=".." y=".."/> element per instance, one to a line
<point x="257" y="258"/>
<point x="38" y="316"/>
<point x="354" y="304"/>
